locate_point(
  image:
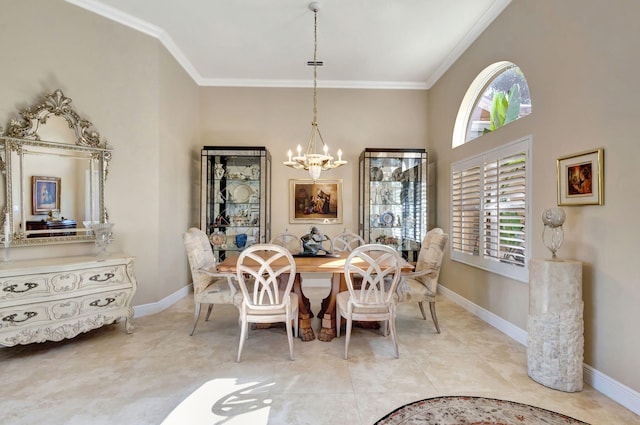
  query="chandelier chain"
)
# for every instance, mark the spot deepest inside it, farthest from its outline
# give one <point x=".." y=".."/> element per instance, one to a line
<point x="315" y="66"/>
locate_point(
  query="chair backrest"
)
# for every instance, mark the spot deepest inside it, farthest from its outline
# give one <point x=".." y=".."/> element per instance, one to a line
<point x="346" y="242"/>
<point x="430" y="257"/>
<point x="288" y="241"/>
<point x="200" y="256"/>
<point x="379" y="267"/>
<point x="265" y="263"/>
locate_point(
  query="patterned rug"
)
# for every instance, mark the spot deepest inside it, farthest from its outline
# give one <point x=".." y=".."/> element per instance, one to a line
<point x="460" y="410"/>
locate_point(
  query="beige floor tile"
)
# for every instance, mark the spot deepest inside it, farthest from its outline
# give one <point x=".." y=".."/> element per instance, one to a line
<point x="314" y="409"/>
<point x="388" y="375"/>
<point x="109" y="377"/>
<point x="451" y="371"/>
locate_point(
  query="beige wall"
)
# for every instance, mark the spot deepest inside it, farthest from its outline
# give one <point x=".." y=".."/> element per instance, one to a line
<point x="580" y="60"/>
<point x="280" y="119"/>
<point x="139" y="99"/>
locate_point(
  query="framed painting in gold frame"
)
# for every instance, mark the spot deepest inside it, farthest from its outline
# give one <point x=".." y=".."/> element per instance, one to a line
<point x="317" y="201"/>
<point x="581" y="178"/>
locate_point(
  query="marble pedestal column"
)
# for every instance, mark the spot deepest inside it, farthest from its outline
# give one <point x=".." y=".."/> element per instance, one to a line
<point x="555" y="339"/>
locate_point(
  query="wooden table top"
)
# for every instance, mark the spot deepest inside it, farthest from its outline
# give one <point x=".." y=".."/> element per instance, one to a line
<point x="306" y="264"/>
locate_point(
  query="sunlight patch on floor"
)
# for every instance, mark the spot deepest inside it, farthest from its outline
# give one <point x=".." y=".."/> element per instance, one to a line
<point x="224" y="401"/>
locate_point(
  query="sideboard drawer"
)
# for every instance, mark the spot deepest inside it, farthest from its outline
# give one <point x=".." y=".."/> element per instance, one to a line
<point x="62" y="319"/>
<point x="29" y="286"/>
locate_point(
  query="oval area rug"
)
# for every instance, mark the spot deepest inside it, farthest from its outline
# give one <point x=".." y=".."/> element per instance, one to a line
<point x="462" y="410"/>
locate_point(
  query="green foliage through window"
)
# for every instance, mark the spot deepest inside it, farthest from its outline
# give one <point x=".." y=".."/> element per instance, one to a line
<point x="503" y="100"/>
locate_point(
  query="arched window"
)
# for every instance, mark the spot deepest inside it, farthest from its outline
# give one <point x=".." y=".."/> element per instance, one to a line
<point x="498" y="95"/>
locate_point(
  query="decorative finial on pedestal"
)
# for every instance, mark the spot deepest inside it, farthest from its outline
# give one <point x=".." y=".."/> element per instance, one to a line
<point x="553" y="235"/>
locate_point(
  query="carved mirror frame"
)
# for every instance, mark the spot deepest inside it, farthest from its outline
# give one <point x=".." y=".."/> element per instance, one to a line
<point x="23" y="140"/>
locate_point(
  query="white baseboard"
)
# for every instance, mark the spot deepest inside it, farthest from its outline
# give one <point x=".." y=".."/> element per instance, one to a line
<point x="166" y="302"/>
<point x="602" y="383"/>
<point x="613" y="389"/>
<point x="497" y="322"/>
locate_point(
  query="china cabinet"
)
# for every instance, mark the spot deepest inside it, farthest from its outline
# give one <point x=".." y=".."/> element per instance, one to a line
<point x="235" y="201"/>
<point x="393" y="198"/>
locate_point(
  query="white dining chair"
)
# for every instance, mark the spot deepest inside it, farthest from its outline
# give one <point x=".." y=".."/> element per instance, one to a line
<point x="346" y="242"/>
<point x="288" y="241"/>
<point x="377" y="270"/>
<point x="264" y="301"/>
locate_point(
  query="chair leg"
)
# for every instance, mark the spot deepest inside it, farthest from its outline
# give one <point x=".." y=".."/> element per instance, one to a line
<point x="206" y="319"/>
<point x="347" y="337"/>
<point x="338" y="320"/>
<point x="243" y="335"/>
<point x="424" y="316"/>
<point x="432" y="307"/>
<point x="195" y="319"/>
<point x="385" y="327"/>
<point x="394" y="339"/>
<point x="296" y="323"/>
<point x="289" y="338"/>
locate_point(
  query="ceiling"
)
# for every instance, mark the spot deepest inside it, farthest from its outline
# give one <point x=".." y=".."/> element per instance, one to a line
<point x="389" y="44"/>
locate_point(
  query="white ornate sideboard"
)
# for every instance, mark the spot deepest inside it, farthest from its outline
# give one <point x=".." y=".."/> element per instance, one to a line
<point x="58" y="298"/>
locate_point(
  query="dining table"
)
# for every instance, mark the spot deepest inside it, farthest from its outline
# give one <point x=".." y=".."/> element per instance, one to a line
<point x="323" y="263"/>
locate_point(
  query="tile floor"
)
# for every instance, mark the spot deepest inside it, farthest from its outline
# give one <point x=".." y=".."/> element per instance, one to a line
<point x="109" y="377"/>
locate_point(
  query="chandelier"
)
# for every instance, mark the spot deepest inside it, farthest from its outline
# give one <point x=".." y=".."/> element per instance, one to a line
<point x="313" y="161"/>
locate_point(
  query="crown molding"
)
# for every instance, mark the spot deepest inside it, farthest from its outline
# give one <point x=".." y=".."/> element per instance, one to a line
<point x="327" y="84"/>
<point x="140" y="25"/>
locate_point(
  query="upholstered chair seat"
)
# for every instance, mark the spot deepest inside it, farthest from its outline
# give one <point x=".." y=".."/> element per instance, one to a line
<point x="422" y="284"/>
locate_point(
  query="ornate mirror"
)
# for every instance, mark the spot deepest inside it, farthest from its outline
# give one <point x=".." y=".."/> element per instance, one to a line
<point x="54" y="166"/>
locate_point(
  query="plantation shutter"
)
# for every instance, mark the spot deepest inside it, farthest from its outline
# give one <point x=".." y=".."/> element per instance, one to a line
<point x="489" y="210"/>
<point x="504" y="208"/>
<point x="466" y="197"/>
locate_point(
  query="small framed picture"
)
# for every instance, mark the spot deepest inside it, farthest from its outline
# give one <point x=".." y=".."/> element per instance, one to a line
<point x="317" y="201"/>
<point x="581" y="178"/>
<point x="46" y="194"/>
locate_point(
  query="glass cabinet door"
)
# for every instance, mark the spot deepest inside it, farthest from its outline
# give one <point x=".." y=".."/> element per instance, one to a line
<point x="235" y="198"/>
<point x="393" y="198"/>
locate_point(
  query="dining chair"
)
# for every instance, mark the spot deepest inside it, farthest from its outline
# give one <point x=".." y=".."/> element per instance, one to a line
<point x="422" y="284"/>
<point x="346" y="241"/>
<point x="264" y="302"/>
<point x="377" y="268"/>
<point x="288" y="241"/>
<point x="209" y="286"/>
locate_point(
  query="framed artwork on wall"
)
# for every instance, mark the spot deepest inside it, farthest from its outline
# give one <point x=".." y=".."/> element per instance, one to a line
<point x="581" y="178"/>
<point x="317" y="201"/>
<point x="45" y="194"/>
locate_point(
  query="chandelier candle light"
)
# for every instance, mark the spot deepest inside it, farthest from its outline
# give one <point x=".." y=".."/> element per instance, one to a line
<point x="311" y="160"/>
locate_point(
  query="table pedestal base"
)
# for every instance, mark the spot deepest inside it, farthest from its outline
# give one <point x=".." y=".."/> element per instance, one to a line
<point x="304" y="327"/>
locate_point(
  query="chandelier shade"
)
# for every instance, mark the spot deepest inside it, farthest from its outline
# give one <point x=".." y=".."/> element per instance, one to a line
<point x="311" y="160"/>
